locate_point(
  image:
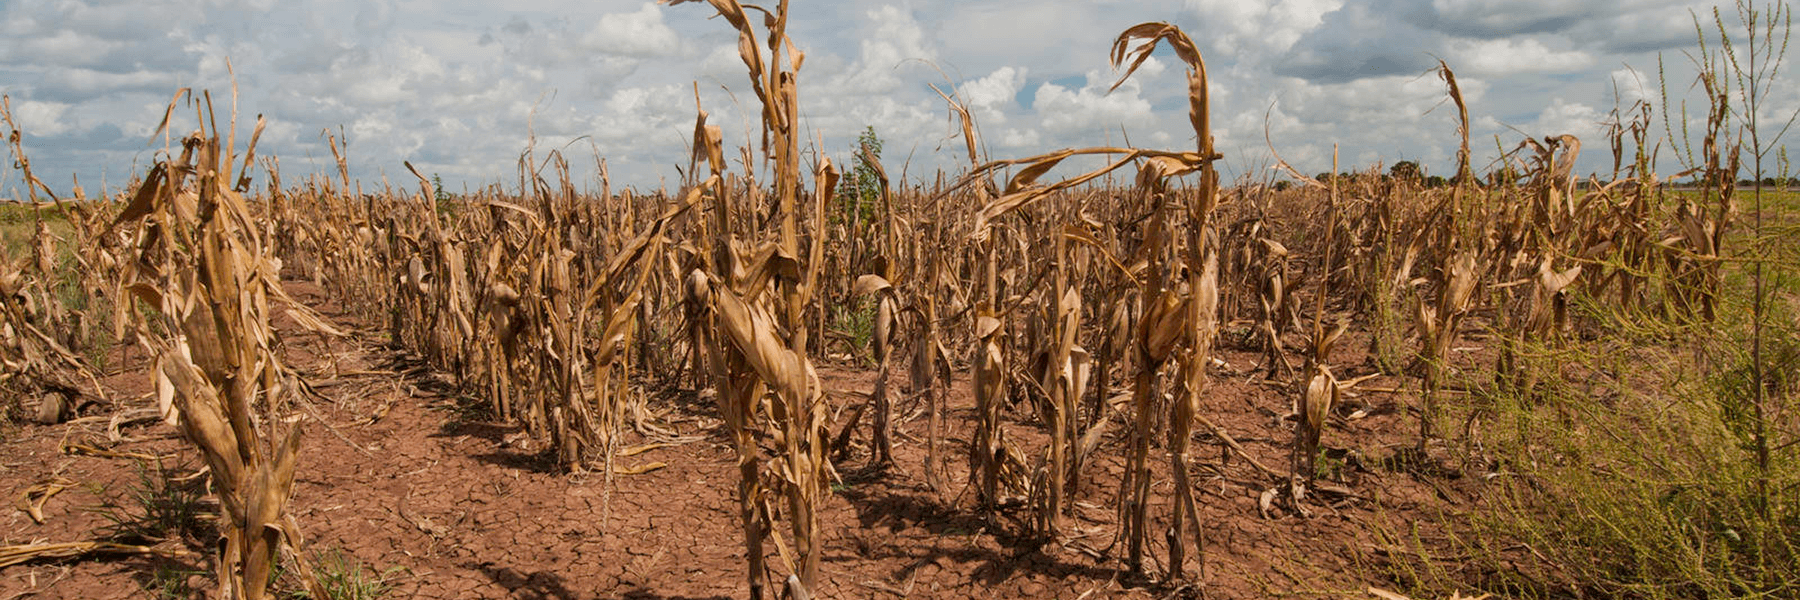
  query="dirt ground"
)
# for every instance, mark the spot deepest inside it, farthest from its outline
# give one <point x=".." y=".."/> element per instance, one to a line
<point x="444" y="503"/>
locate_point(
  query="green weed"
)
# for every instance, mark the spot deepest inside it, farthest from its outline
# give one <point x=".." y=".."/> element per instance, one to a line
<point x="161" y="507"/>
<point x="343" y="577"/>
<point x="171" y="582"/>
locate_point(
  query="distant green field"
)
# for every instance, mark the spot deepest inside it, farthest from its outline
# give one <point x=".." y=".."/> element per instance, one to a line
<point x="1787" y="201"/>
<point x="18" y="224"/>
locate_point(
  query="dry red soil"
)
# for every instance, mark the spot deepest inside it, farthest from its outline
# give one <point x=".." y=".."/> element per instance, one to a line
<point x="406" y="479"/>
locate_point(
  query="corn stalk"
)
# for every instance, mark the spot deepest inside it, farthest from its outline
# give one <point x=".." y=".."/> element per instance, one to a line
<point x="761" y="290"/>
<point x="203" y="264"/>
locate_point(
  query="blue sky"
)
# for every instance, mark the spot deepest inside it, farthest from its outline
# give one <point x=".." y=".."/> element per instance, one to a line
<point x="458" y="87"/>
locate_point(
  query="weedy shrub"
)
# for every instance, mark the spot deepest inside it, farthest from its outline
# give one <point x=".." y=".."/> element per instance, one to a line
<point x="442" y="199"/>
<point x="860" y="191"/>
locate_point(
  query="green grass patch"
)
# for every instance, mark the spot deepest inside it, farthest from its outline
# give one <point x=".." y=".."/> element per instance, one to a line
<point x="18" y="229"/>
<point x="1630" y="467"/>
<point x="343" y="577"/>
<point x="161" y="506"/>
<point x="170" y="582"/>
<point x="853" y="324"/>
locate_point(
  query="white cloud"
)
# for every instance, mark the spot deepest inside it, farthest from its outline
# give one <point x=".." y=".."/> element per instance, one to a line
<point x="651" y="102"/>
<point x="393" y="75"/>
<point x="891" y="39"/>
<point x="1633" y="85"/>
<point x="640" y="34"/>
<point x="1360" y="40"/>
<point x="996" y="89"/>
<point x="1256" y="28"/>
<point x="82" y="83"/>
<point x="65" y="48"/>
<point x="723" y="61"/>
<point x="372" y="126"/>
<point x="42" y="118"/>
<point x="993" y="96"/>
<point x="1511" y="56"/>
<point x="1091" y="110"/>
<point x="1643" y="26"/>
<point x="1493" y="18"/>
<point x="1013" y="138"/>
<point x="1567" y="118"/>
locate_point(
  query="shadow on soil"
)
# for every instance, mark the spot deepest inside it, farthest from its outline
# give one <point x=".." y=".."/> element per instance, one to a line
<point x="536" y="584"/>
<point x="889" y="509"/>
<point x="649" y="595"/>
<point x="164" y="577"/>
<point x="546" y="586"/>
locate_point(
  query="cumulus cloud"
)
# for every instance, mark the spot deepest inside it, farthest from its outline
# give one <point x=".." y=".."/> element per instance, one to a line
<point x="76" y="84"/>
<point x="75" y="34"/>
<point x="43" y="118"/>
<point x="1499" y="57"/>
<point x="1091" y="109"/>
<point x="1567" y="118"/>
<point x="1345" y="46"/>
<point x="1489" y="19"/>
<point x="993" y="96"/>
<point x="1061" y="37"/>
<point x="638" y="34"/>
<point x="1632" y="85"/>
<point x="1255" y="28"/>
<point x="892" y="38"/>
<point x="1644" y="26"/>
<point x="1014" y="138"/>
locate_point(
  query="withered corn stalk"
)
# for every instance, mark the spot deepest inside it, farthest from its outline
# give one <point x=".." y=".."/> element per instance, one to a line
<point x="201" y="261"/>
<point x="1171" y="317"/>
<point x="1456" y="276"/>
<point x="41" y="339"/>
<point x="887" y="310"/>
<point x="881" y="442"/>
<point x="1203" y="287"/>
<point x="1320" y="393"/>
<point x="1527" y="242"/>
<point x="1168" y="319"/>
<point x="1454" y="282"/>
<point x="1064" y="378"/>
<point x="1275" y="299"/>
<point x="760" y="290"/>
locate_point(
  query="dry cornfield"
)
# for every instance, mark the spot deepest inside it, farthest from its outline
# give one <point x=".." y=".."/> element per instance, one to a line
<point x="1059" y="387"/>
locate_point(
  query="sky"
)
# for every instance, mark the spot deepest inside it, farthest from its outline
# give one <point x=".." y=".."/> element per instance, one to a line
<point x="460" y="88"/>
